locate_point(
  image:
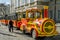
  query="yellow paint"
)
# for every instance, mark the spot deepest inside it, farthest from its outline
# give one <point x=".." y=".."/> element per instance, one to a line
<point x="45" y="7"/>
<point x="30" y="22"/>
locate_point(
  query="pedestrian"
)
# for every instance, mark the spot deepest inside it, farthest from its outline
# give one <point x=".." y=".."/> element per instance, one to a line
<point x="10" y="26"/>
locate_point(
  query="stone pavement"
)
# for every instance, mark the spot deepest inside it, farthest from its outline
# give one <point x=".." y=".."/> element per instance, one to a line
<point x="58" y="24"/>
<point x="16" y="35"/>
<point x="58" y="27"/>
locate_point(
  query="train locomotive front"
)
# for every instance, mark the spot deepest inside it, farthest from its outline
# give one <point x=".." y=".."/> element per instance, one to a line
<point x="37" y="25"/>
<point x="44" y="28"/>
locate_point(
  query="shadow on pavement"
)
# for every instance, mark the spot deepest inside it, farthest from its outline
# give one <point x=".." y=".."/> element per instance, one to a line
<point x="7" y="34"/>
<point x="39" y="38"/>
<point x="18" y="33"/>
<point x="26" y="34"/>
<point x="49" y="38"/>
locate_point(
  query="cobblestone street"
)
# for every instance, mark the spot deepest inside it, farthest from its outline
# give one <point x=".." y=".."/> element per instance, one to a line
<point x="18" y="35"/>
<point x="36" y="19"/>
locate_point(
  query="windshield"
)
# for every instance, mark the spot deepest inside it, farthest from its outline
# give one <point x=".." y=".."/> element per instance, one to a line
<point x="31" y="15"/>
<point x="34" y="15"/>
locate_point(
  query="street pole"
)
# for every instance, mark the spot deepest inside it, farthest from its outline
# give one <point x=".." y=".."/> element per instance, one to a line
<point x="55" y="11"/>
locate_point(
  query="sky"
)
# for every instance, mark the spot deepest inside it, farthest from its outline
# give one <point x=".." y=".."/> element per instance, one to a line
<point x="5" y="1"/>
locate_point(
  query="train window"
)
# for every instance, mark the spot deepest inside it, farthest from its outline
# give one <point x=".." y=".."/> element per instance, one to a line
<point x="19" y="16"/>
<point x="31" y="15"/>
<point x="24" y="15"/>
<point x="38" y="14"/>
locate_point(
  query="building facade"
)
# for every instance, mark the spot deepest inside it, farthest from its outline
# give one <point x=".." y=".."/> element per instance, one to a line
<point x="54" y="7"/>
<point x="14" y="4"/>
<point x="8" y="9"/>
<point x="4" y="10"/>
<point x="54" y="10"/>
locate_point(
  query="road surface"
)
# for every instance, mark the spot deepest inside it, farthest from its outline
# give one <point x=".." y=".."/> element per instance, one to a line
<point x="18" y="35"/>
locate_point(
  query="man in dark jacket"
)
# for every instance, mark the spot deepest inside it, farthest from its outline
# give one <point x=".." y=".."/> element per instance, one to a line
<point x="10" y="26"/>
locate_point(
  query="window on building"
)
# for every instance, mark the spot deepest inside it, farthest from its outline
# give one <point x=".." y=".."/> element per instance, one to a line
<point x="42" y="3"/>
<point x="51" y="14"/>
<point x="31" y="1"/>
<point x="22" y="2"/>
<point x="26" y="1"/>
<point x="58" y="14"/>
<point x="18" y="3"/>
<point x="38" y="2"/>
<point x="58" y="0"/>
<point x="51" y="0"/>
<point x="46" y="0"/>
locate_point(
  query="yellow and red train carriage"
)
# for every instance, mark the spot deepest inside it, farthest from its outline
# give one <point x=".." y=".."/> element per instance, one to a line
<point x="38" y="25"/>
<point x="35" y="22"/>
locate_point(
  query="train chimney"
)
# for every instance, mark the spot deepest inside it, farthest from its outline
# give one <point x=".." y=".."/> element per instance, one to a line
<point x="45" y="11"/>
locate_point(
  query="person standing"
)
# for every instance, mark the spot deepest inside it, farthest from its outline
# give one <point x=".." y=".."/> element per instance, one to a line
<point x="10" y="26"/>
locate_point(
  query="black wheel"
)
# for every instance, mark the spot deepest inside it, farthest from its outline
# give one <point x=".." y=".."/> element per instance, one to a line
<point x="33" y="34"/>
<point x="6" y="24"/>
<point x="17" y="29"/>
<point x="24" y="31"/>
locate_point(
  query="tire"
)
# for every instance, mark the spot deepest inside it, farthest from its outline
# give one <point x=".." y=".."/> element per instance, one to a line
<point x="33" y="34"/>
<point x="24" y="31"/>
<point x="18" y="29"/>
